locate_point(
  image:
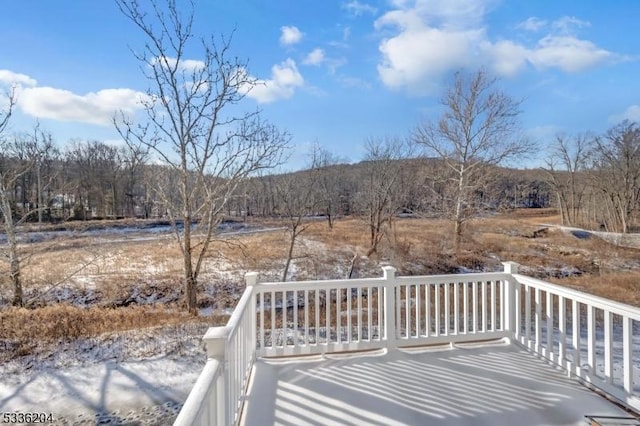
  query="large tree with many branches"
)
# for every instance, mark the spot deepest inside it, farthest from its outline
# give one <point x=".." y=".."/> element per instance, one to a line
<point x="193" y="125"/>
<point x="478" y="129"/>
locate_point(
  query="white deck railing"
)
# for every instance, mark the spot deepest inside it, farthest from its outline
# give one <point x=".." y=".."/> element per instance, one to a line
<point x="310" y="317"/>
<point x="313" y="317"/>
<point x="589" y="336"/>
<point x="218" y="394"/>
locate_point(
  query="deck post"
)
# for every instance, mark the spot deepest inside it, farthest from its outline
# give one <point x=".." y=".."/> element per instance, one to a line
<point x="389" y="276"/>
<point x="509" y="310"/>
<point x="251" y="280"/>
<point x="215" y="340"/>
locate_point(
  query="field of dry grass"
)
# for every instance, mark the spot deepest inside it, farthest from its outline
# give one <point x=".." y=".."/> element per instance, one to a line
<point x="86" y="286"/>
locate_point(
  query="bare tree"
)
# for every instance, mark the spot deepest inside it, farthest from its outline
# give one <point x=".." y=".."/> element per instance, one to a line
<point x="616" y="174"/>
<point x="6" y="185"/>
<point x="295" y="201"/>
<point x="18" y="156"/>
<point x="38" y="151"/>
<point x="328" y="177"/>
<point x="192" y="125"/>
<point x="98" y="171"/>
<point x="478" y="129"/>
<point x="134" y="158"/>
<point x="380" y="193"/>
<point x="566" y="168"/>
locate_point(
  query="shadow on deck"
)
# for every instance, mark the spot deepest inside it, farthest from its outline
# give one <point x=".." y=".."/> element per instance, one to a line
<point x="491" y="384"/>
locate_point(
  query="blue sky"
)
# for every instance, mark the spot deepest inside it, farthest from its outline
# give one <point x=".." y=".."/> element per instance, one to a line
<point x="337" y="72"/>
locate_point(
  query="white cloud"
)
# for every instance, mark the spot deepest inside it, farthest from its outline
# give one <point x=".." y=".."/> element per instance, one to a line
<point x="507" y="57"/>
<point x="632" y="113"/>
<point x="342" y="44"/>
<point x="353" y="82"/>
<point x="567" y="24"/>
<point x="191" y="64"/>
<point x="290" y="35"/>
<point x="449" y="15"/>
<point x="11" y="78"/>
<point x="285" y="78"/>
<point x="315" y="57"/>
<point x="334" y="63"/>
<point x="358" y="8"/>
<point x="346" y="33"/>
<point x="432" y="37"/>
<point x="188" y="65"/>
<point x="532" y="24"/>
<point x="94" y="107"/>
<point x="568" y="53"/>
<point x="58" y="104"/>
<point x="420" y="53"/>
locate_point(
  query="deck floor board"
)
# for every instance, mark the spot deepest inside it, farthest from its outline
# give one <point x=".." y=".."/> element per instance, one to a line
<point x="495" y="384"/>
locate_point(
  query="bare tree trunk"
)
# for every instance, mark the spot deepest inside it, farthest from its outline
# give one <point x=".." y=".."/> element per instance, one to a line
<point x="292" y="242"/>
<point x="39" y="191"/>
<point x="623" y="218"/>
<point x="373" y="246"/>
<point x="14" y="273"/>
<point x="457" y="232"/>
<point x="190" y="279"/>
<point x="190" y="284"/>
<point x="561" y="205"/>
<point x="458" y="219"/>
<point x="352" y="266"/>
<point x="12" y="243"/>
<point x="14" y="258"/>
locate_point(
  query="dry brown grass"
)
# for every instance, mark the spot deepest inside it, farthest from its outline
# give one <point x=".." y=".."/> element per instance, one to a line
<point x="69" y="322"/>
<point x="423" y="246"/>
<point x="620" y="286"/>
<point x="257" y="251"/>
<point x="23" y="330"/>
<point x="414" y="245"/>
<point x="136" y="284"/>
<point x="115" y="271"/>
<point x="350" y="232"/>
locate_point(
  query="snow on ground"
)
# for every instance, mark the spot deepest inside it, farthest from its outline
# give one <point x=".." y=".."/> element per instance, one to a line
<point x="110" y="392"/>
<point x="126" y="378"/>
<point x="141" y="376"/>
<point x="631" y="240"/>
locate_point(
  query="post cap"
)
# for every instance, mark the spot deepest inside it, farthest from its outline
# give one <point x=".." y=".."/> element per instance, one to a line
<point x="215" y="340"/>
<point x="510" y="267"/>
<point x="251" y="278"/>
<point x="388" y="271"/>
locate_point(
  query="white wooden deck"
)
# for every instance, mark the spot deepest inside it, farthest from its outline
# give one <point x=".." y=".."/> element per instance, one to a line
<point x="246" y="379"/>
<point x="490" y="384"/>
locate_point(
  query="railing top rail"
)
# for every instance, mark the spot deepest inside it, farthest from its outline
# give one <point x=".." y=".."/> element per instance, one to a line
<point x="195" y="403"/>
<point x="312" y="284"/>
<point x="582" y="297"/>
<point x="453" y="278"/>
<point x="242" y="305"/>
<point x="363" y="282"/>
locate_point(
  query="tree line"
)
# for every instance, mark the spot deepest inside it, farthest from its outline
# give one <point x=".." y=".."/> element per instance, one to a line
<point x="93" y="180"/>
<point x="596" y="178"/>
